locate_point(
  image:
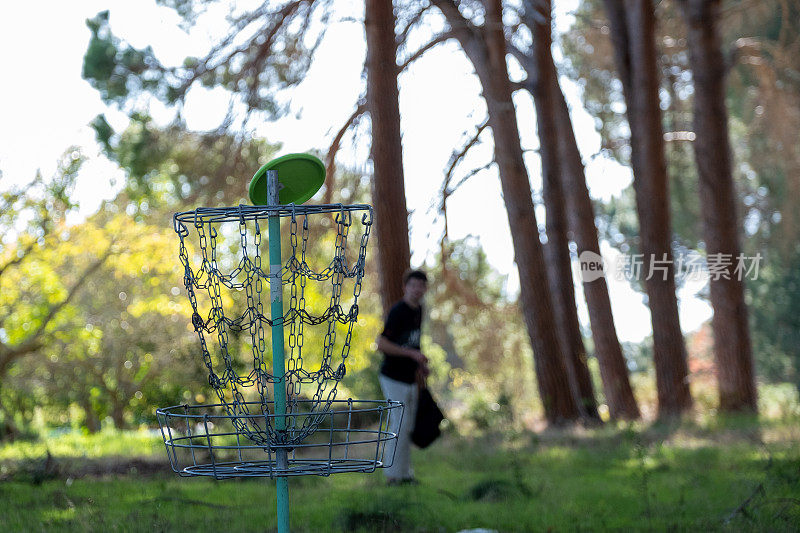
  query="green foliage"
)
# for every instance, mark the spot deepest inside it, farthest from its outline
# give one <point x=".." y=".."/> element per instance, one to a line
<point x="30" y="213"/>
<point x="31" y="293"/>
<point x="118" y="343"/>
<point x="262" y="52"/>
<point x="776" y="318"/>
<point x="116" y="69"/>
<point x="480" y="330"/>
<point x="173" y="168"/>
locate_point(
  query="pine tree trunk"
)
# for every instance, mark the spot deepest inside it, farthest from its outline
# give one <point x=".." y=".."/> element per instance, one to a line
<point x="732" y="348"/>
<point x="388" y="195"/>
<point x="556" y="251"/>
<point x="580" y="217"/>
<point x="486" y="49"/>
<point x="613" y="369"/>
<point x="633" y="37"/>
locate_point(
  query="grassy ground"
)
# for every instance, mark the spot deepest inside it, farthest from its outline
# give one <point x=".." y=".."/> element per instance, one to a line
<point x="737" y="476"/>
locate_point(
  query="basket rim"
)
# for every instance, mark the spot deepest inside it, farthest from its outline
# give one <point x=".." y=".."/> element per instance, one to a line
<point x="379" y="405"/>
<point x="270" y="469"/>
<point x="237" y="213"/>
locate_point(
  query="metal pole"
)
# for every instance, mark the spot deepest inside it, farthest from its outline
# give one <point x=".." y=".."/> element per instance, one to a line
<point x="278" y="362"/>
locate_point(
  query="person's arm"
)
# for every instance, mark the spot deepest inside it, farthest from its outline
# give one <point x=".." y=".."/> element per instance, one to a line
<point x="390" y="348"/>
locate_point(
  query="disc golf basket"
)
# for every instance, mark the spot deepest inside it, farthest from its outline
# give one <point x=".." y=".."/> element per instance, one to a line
<point x="277" y="414"/>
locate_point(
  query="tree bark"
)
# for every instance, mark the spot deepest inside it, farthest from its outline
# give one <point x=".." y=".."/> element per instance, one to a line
<point x="732" y="347"/>
<point x="633" y="38"/>
<point x="541" y="70"/>
<point x="391" y="214"/>
<point x="118" y="413"/>
<point x="556" y="251"/>
<point x="92" y="422"/>
<point x="486" y="48"/>
<point x="613" y="369"/>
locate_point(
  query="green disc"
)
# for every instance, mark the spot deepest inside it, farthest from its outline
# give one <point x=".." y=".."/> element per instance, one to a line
<point x="300" y="174"/>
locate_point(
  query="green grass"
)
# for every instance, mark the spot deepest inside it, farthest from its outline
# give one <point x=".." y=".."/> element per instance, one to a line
<point x="108" y="442"/>
<point x="693" y="477"/>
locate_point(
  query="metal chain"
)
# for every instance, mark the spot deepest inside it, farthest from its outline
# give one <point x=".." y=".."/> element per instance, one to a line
<point x="248" y="276"/>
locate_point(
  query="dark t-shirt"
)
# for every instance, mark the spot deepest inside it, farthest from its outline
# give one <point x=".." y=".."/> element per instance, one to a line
<point x="403" y="327"/>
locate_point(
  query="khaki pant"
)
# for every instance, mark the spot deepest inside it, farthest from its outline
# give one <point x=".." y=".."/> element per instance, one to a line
<point x="407" y="393"/>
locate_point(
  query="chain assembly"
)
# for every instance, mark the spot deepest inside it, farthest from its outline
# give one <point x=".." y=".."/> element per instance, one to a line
<point x="228" y="311"/>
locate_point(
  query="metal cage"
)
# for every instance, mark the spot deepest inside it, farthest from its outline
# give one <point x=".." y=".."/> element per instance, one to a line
<point x="353" y="436"/>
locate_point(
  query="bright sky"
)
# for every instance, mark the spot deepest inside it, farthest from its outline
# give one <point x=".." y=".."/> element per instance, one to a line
<point x="45" y="107"/>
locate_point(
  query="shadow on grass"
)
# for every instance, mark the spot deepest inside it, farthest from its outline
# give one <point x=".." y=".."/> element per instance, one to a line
<point x="386" y="515"/>
<point x="498" y="490"/>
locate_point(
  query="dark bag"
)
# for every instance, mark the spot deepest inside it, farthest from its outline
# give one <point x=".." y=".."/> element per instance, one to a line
<point x="426" y="423"/>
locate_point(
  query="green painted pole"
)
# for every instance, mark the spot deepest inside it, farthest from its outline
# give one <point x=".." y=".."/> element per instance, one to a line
<point x="278" y="360"/>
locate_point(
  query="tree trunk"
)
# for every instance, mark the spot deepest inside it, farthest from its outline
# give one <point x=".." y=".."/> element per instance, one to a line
<point x="732" y="348"/>
<point x="613" y="369"/>
<point x="580" y="215"/>
<point x="388" y="194"/>
<point x="486" y="49"/>
<point x="118" y="413"/>
<point x="633" y="37"/>
<point x="92" y="422"/>
<point x="8" y="428"/>
<point x="556" y="251"/>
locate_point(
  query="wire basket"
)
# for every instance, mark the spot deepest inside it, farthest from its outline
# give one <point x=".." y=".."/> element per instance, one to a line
<point x="352" y="436"/>
<point x="232" y="285"/>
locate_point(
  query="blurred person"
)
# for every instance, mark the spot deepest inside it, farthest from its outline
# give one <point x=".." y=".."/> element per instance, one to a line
<point x="404" y="367"/>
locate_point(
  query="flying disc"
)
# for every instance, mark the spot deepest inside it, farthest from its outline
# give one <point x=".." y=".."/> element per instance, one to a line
<point x="301" y="176"/>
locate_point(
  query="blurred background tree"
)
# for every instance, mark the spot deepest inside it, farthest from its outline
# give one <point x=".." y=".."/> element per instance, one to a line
<point x="94" y="326"/>
<point x="758" y="41"/>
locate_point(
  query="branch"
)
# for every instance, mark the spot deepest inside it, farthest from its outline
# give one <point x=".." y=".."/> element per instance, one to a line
<point x="94" y="267"/>
<point x="361" y="108"/>
<point x="535" y="12"/>
<point x="34" y="341"/>
<point x="458" y="156"/>
<point x="463" y="30"/>
<point x="401" y="37"/>
<point x="282" y="17"/>
<point x="447" y="191"/>
<point x="255" y="66"/>
<point x="8" y="203"/>
<point x="330" y="160"/>
<point x="20" y="257"/>
<point x="758" y="490"/>
<point x="472" y="173"/>
<point x="442" y="37"/>
<point x="12" y="197"/>
<point x="521" y="85"/>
